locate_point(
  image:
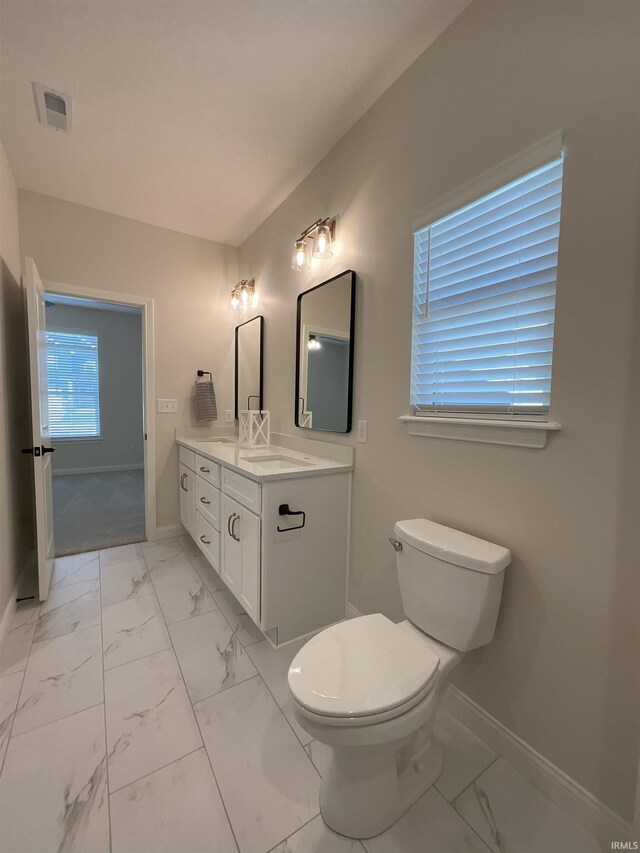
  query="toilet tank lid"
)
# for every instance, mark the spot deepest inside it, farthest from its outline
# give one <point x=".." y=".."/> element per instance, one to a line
<point x="453" y="546"/>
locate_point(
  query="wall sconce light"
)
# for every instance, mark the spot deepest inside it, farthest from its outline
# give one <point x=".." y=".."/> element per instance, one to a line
<point x="242" y="294"/>
<point x="314" y="344"/>
<point x="323" y="232"/>
<point x="300" y="260"/>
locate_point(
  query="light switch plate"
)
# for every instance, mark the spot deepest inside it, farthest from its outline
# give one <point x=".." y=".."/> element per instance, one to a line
<point x="362" y="431"/>
<point x="166" y="406"/>
<point x="228" y="416"/>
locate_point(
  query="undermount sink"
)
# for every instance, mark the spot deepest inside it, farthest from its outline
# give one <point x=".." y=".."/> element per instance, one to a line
<point x="215" y="440"/>
<point x="277" y="463"/>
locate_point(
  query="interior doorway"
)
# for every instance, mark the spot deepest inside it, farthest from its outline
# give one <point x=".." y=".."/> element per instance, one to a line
<point x="96" y="416"/>
<point x="99" y="349"/>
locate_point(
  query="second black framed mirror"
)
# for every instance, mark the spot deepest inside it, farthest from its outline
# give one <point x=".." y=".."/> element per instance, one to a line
<point x="324" y="354"/>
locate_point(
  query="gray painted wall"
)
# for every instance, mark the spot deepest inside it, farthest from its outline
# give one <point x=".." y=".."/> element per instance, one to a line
<point x="189" y="280"/>
<point x="563" y="669"/>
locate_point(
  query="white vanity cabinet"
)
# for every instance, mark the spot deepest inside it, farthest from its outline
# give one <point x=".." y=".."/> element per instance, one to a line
<point x="280" y="543"/>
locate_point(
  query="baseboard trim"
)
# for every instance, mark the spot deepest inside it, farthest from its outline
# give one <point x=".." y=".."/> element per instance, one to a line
<point x="12" y="604"/>
<point x="8" y="614"/>
<point x="167" y="531"/>
<point x="596" y="817"/>
<point x="99" y="469"/>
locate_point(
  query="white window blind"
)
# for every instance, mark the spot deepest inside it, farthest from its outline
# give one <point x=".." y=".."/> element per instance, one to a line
<point x="484" y="301"/>
<point x="74" y="387"/>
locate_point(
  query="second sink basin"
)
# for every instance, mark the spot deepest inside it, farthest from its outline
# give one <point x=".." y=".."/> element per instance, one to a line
<point x="276" y="462"/>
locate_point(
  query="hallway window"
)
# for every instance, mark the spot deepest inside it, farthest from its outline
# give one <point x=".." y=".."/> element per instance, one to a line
<point x="74" y="385"/>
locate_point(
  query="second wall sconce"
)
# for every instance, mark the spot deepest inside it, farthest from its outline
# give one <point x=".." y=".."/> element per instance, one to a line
<point x="323" y="232"/>
<point x="242" y="294"/>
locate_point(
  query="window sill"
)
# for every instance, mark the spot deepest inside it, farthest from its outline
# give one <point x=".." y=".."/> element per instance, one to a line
<point x="81" y="439"/>
<point x="532" y="434"/>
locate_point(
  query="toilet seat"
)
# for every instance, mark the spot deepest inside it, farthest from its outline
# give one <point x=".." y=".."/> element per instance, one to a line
<point x="361" y="671"/>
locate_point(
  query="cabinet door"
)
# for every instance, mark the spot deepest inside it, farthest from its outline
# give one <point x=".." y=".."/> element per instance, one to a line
<point x="187" y="499"/>
<point x="231" y="552"/>
<point x="241" y="555"/>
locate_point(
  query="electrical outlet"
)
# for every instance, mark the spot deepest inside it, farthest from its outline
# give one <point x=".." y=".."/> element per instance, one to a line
<point x="228" y="416"/>
<point x="362" y="431"/>
<point x="166" y="406"/>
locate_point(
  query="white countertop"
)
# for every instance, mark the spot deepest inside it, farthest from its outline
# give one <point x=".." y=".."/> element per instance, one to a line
<point x="287" y="465"/>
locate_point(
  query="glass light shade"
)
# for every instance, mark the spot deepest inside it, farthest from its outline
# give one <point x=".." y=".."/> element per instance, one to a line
<point x="234" y="302"/>
<point x="300" y="259"/>
<point x="322" y="242"/>
<point x="314" y="344"/>
<point x="246" y="294"/>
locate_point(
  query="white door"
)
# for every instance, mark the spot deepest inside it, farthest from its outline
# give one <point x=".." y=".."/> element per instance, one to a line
<point x="41" y="448"/>
<point x="231" y="554"/>
<point x="187" y="499"/>
<point x="241" y="555"/>
<point x="247" y="530"/>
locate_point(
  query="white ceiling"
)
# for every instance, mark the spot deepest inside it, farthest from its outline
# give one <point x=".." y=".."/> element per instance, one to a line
<point x="198" y="115"/>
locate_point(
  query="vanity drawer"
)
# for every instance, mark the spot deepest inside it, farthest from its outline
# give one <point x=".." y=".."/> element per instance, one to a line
<point x="208" y="540"/>
<point x="208" y="470"/>
<point x="245" y="491"/>
<point x="187" y="457"/>
<point x="208" y="501"/>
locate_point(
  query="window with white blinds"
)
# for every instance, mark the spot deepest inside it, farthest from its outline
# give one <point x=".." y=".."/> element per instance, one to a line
<point x="74" y="385"/>
<point x="484" y="301"/>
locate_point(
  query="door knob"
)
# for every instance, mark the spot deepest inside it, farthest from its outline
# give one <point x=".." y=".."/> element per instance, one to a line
<point x="37" y="451"/>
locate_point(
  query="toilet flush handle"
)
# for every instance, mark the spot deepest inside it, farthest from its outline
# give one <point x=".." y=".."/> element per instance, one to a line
<point x="397" y="546"/>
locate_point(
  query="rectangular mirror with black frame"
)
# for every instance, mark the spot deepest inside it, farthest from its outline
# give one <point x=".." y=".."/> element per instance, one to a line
<point x="249" y="357"/>
<point x="324" y="354"/>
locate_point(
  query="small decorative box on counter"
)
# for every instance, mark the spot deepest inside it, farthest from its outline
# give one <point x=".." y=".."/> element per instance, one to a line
<point x="254" y="428"/>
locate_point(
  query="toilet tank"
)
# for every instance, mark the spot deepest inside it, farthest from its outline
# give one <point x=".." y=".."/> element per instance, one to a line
<point x="450" y="582"/>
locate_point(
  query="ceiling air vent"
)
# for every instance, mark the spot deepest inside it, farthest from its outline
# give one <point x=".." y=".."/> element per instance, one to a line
<point x="54" y="108"/>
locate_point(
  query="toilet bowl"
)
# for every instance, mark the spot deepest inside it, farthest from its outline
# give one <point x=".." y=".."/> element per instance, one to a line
<point x="369" y="688"/>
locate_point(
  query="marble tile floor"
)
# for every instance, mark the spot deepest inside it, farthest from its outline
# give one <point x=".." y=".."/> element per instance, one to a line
<point x="140" y="710"/>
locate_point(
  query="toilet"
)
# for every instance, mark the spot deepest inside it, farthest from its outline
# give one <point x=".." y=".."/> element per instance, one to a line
<point x="369" y="688"/>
